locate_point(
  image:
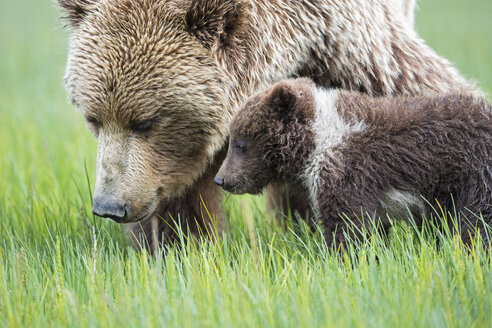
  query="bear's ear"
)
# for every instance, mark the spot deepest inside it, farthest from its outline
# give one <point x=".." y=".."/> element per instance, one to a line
<point x="212" y="21"/>
<point x="282" y="101"/>
<point x="76" y="10"/>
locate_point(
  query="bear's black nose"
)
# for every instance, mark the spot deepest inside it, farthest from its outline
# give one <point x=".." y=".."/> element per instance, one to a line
<point x="108" y="209"/>
<point x="219" y="181"/>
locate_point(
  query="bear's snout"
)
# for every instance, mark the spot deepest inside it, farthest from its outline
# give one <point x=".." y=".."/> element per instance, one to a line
<point x="109" y="209"/>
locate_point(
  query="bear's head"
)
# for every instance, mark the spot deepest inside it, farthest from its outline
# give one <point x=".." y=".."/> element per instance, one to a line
<point x="144" y="74"/>
<point x="270" y="137"/>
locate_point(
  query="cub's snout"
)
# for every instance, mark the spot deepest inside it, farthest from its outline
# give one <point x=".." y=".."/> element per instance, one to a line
<point x="219" y="181"/>
<point x="233" y="183"/>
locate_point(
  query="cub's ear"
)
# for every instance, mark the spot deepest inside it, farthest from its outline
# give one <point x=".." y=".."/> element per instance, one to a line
<point x="282" y="100"/>
<point x="212" y="21"/>
<point x="76" y="10"/>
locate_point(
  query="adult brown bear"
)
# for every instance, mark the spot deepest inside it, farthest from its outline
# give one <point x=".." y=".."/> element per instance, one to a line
<point x="158" y="82"/>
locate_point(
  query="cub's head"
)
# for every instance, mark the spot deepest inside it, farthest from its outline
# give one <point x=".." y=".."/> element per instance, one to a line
<point x="270" y="137"/>
<point x="144" y="76"/>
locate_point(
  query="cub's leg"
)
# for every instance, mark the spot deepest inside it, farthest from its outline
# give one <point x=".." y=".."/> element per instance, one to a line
<point x="285" y="200"/>
<point x="474" y="200"/>
<point x="354" y="226"/>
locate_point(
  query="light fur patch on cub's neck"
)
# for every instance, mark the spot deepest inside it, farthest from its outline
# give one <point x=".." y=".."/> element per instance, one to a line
<point x="330" y="130"/>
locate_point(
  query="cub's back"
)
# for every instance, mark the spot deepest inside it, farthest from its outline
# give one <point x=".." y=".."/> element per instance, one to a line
<point x="419" y="143"/>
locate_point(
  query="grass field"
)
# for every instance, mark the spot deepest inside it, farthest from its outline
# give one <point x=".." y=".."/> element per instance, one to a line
<point x="59" y="266"/>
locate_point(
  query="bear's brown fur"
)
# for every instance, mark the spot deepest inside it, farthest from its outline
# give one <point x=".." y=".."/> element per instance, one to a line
<point x="355" y="154"/>
<point x="158" y="82"/>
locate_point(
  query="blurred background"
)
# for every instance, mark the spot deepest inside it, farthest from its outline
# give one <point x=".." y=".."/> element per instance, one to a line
<point x="47" y="154"/>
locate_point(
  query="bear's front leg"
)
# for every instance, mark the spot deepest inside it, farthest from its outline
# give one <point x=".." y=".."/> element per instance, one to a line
<point x="198" y="212"/>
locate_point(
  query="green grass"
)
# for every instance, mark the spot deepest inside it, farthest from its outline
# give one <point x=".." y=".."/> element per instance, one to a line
<point x="59" y="266"/>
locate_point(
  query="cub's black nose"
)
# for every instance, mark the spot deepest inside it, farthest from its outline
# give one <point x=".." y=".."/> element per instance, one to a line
<point x="219" y="181"/>
<point x="108" y="209"/>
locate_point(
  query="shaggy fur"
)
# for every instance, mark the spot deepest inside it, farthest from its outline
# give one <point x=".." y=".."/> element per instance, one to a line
<point x="408" y="8"/>
<point x="158" y="81"/>
<point x="355" y="154"/>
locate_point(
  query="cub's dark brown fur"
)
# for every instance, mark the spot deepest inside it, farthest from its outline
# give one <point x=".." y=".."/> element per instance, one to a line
<point x="354" y="154"/>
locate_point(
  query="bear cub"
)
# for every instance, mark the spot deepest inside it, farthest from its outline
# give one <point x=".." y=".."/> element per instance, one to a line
<point x="383" y="157"/>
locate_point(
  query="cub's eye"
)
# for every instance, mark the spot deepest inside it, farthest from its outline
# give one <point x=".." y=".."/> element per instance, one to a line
<point x="240" y="146"/>
<point x="142" y="126"/>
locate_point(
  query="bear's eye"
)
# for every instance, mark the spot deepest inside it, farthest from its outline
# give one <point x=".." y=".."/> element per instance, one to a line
<point x="93" y="123"/>
<point x="142" y="126"/>
<point x="240" y="146"/>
